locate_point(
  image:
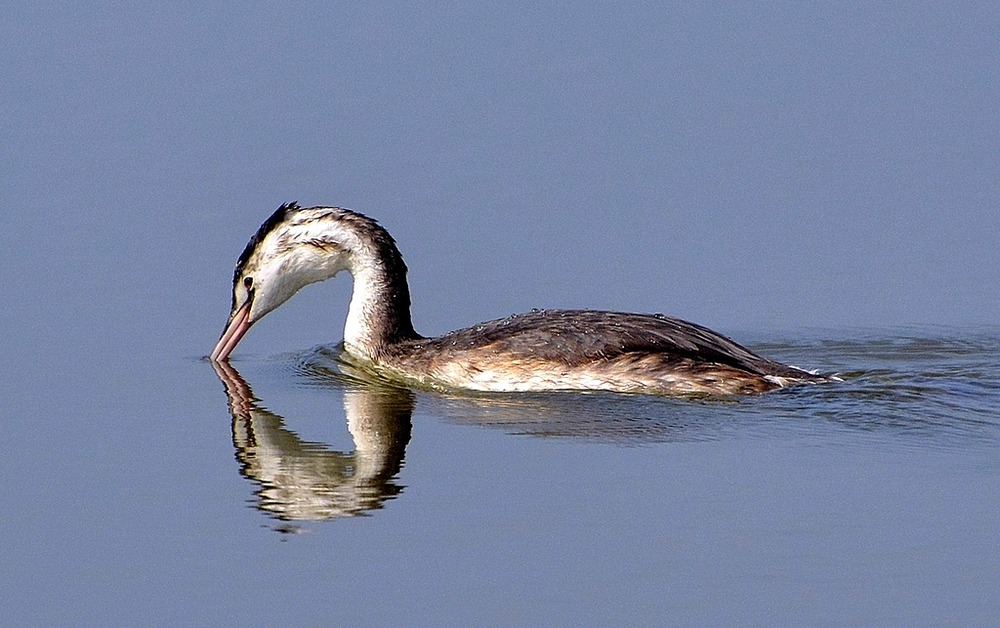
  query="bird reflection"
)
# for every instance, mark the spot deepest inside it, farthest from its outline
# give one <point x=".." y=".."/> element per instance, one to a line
<point x="305" y="481"/>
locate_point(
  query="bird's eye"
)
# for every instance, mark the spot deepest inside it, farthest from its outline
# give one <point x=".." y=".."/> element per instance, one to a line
<point x="248" y="282"/>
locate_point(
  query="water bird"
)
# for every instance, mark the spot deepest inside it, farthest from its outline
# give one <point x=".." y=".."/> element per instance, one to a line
<point x="541" y="350"/>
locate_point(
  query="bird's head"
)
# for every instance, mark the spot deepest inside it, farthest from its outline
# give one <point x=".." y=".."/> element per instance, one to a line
<point x="292" y="249"/>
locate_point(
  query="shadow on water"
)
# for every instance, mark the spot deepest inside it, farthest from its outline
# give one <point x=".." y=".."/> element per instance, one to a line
<point x="306" y="481"/>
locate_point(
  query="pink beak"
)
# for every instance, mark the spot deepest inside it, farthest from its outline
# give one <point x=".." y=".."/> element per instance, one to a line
<point x="237" y="327"/>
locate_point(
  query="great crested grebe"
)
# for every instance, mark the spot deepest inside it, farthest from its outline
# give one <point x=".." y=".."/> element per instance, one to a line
<point x="543" y="350"/>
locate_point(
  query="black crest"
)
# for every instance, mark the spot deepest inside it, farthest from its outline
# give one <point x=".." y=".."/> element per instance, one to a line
<point x="273" y="221"/>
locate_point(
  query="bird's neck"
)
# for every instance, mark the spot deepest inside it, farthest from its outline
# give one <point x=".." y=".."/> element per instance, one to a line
<point x="379" y="315"/>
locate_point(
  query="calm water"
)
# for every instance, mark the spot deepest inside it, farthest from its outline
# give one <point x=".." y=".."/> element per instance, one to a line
<point x="773" y="166"/>
<point x="284" y="490"/>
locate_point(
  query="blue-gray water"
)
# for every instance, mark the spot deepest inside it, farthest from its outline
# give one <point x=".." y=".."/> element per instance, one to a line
<point x="283" y="491"/>
<point x="818" y="181"/>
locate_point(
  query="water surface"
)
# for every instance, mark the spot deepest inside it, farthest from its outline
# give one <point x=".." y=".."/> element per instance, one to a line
<point x="283" y="489"/>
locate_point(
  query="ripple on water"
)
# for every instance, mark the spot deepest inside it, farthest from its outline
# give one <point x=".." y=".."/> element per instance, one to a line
<point x="931" y="388"/>
<point x="935" y="388"/>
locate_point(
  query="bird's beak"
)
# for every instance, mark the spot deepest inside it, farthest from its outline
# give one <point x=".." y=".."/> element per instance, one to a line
<point x="238" y="325"/>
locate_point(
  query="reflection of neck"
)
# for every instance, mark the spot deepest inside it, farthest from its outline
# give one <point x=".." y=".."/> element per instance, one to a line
<point x="300" y="480"/>
<point x="380" y="426"/>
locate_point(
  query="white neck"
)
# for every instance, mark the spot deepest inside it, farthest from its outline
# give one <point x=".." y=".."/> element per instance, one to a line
<point x="362" y="330"/>
<point x="379" y="314"/>
<point x="315" y="244"/>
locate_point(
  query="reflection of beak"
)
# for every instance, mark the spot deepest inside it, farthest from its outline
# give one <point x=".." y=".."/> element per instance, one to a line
<point x="238" y="325"/>
<point x="241" y="399"/>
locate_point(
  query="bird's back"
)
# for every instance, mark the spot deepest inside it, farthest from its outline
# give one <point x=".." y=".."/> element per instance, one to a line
<point x="585" y="349"/>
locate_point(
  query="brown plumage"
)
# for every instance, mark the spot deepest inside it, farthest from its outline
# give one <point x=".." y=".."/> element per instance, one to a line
<point x="539" y="350"/>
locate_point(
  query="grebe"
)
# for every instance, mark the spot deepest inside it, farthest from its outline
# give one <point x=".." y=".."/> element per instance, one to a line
<point x="543" y="350"/>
